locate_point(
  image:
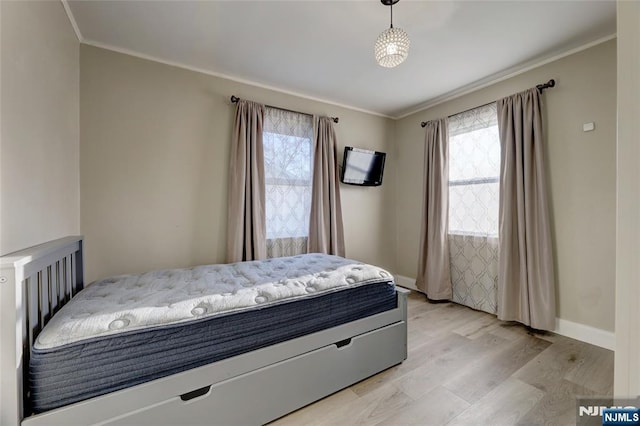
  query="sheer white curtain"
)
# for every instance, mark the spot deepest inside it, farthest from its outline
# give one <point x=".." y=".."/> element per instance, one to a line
<point x="474" y="168"/>
<point x="288" y="164"/>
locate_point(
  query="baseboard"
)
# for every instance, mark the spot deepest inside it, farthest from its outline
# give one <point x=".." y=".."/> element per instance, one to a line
<point x="405" y="282"/>
<point x="585" y="333"/>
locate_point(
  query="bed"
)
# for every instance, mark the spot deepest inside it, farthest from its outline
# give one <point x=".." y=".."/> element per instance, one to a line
<point x="276" y="340"/>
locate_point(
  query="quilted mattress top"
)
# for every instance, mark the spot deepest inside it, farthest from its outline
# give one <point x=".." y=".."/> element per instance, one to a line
<point x="132" y="302"/>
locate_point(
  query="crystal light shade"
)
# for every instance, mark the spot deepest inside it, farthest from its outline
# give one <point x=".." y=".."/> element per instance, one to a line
<point x="392" y="47"/>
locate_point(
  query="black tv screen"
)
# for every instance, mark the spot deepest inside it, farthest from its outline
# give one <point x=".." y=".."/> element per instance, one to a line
<point x="362" y="167"/>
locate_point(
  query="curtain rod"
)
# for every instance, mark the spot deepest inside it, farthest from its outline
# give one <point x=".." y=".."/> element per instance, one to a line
<point x="540" y="87"/>
<point x="235" y="99"/>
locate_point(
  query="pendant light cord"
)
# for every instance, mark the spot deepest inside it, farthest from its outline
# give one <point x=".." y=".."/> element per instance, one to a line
<point x="391" y="14"/>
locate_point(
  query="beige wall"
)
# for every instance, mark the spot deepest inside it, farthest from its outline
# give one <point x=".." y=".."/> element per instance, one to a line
<point x="582" y="177"/>
<point x="627" y="361"/>
<point x="154" y="163"/>
<point x="39" y="163"/>
<point x="155" y="147"/>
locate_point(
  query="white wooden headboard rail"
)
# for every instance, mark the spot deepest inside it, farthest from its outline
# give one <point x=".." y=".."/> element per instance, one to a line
<point x="34" y="284"/>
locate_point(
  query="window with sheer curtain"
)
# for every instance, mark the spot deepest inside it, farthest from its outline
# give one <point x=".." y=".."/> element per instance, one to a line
<point x="288" y="166"/>
<point x="474" y="170"/>
<point x="474" y="193"/>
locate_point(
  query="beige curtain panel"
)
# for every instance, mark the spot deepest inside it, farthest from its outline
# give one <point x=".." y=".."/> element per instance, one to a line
<point x="246" y="239"/>
<point x="434" y="273"/>
<point x="326" y="233"/>
<point x="526" y="286"/>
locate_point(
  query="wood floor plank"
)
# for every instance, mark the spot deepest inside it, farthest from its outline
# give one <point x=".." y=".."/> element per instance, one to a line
<point x="508" y="330"/>
<point x="486" y="373"/>
<point x="478" y="327"/>
<point x="417" y="357"/>
<point x="551" y="365"/>
<point x="371" y="408"/>
<point x="436" y="408"/>
<point x="314" y="414"/>
<point x="505" y="405"/>
<point x="557" y="406"/>
<point x="442" y="321"/>
<point x="417" y="303"/>
<point x="439" y="370"/>
<point x="593" y="370"/>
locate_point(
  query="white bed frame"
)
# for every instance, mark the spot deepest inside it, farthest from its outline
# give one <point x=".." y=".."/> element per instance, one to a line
<point x="252" y="388"/>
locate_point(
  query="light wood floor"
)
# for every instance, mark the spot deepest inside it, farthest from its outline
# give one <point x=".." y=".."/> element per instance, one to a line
<point x="467" y="368"/>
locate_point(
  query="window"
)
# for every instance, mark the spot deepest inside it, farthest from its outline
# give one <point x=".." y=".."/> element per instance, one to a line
<point x="288" y="164"/>
<point x="474" y="170"/>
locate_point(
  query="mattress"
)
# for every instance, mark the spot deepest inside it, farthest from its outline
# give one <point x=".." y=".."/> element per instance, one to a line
<point x="131" y="329"/>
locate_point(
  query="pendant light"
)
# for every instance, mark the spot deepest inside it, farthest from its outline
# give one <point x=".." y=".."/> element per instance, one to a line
<point x="392" y="46"/>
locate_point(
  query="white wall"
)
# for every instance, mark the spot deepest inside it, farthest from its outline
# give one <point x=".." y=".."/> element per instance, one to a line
<point x="627" y="357"/>
<point x="39" y="136"/>
<point x="581" y="169"/>
<point x="154" y="162"/>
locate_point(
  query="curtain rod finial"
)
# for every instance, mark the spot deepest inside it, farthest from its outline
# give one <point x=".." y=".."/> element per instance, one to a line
<point x="234" y="99"/>
<point x="548" y="84"/>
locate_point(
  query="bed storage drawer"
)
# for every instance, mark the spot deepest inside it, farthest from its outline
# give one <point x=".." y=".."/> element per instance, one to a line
<point x="280" y="388"/>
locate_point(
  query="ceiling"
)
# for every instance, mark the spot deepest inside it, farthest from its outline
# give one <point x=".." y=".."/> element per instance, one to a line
<point x="324" y="49"/>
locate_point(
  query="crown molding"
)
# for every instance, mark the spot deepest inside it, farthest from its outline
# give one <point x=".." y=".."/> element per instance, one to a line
<point x="501" y="76"/>
<point x="227" y="77"/>
<point x="72" y="19"/>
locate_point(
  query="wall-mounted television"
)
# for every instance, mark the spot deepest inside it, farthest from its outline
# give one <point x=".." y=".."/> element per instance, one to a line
<point x="362" y="167"/>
